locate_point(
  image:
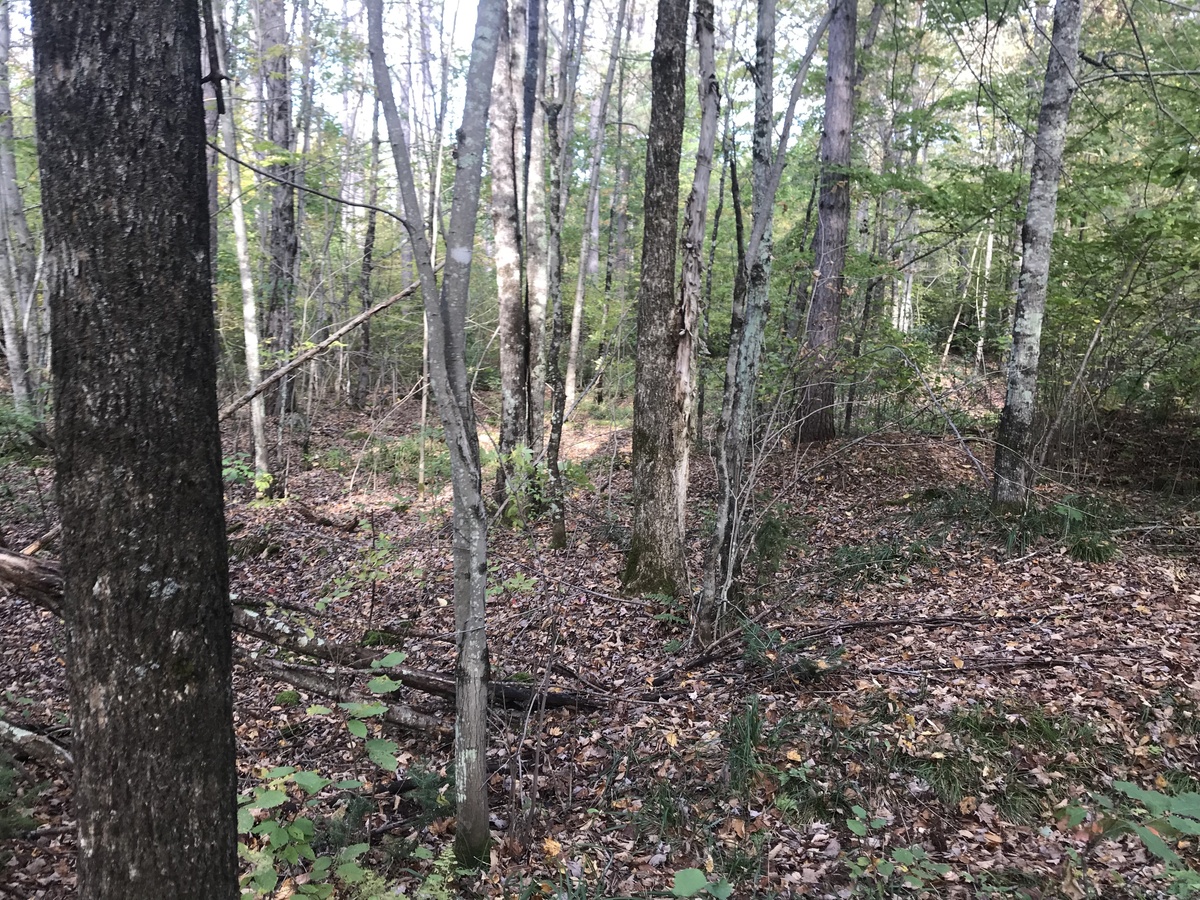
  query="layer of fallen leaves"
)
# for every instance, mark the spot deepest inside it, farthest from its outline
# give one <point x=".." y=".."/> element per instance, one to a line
<point x="960" y="692"/>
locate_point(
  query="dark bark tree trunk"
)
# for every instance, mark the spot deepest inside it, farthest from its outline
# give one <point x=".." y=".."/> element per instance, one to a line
<point x="833" y="226"/>
<point x="1014" y="439"/>
<point x="447" y="314"/>
<point x="560" y="118"/>
<point x="656" y="556"/>
<point x="282" y="246"/>
<point x="362" y="380"/>
<point x="138" y="451"/>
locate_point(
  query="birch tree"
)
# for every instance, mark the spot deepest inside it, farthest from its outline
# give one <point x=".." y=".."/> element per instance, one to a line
<point x="748" y="319"/>
<point x="446" y="310"/>
<point x="588" y="262"/>
<point x="18" y="268"/>
<point x="505" y="150"/>
<point x="250" y="336"/>
<point x="138" y="453"/>
<point x="1014" y="439"/>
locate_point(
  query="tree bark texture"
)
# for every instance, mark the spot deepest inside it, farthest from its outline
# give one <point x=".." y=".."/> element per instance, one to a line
<point x="362" y="378"/>
<point x="283" y="248"/>
<point x="1014" y="439"/>
<point x="536" y="264"/>
<point x="560" y="117"/>
<point x="746" y="332"/>
<point x="833" y="226"/>
<point x="656" y="556"/>
<point x="694" y="216"/>
<point x="588" y="262"/>
<point x="507" y="147"/>
<point x="250" y="335"/>
<point x="121" y="150"/>
<point x="17" y="264"/>
<point x="446" y="313"/>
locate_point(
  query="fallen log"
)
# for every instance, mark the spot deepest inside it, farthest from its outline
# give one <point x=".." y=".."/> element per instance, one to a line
<point x="40" y="580"/>
<point x="317" y="682"/>
<point x="29" y="745"/>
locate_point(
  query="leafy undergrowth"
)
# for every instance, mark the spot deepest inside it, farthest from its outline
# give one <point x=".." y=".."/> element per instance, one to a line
<point x="916" y="698"/>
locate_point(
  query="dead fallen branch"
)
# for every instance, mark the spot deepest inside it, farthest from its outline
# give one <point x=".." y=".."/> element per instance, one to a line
<point x="41" y="582"/>
<point x="316" y="682"/>
<point x="29" y="745"/>
<point x="38" y="580"/>
<point x="280" y="373"/>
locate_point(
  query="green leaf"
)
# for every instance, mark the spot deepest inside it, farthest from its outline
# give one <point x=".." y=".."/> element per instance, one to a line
<point x="364" y="710"/>
<point x="267" y="799"/>
<point x="1156" y="804"/>
<point x="1157" y="845"/>
<point x="689" y="883"/>
<point x="382" y="685"/>
<point x="858" y="826"/>
<point x="1184" y="826"/>
<point x="265" y="880"/>
<point x="351" y="873"/>
<point x="310" y="782"/>
<point x="357" y="727"/>
<point x="318" y="710"/>
<point x="1186" y="805"/>
<point x="320" y="866"/>
<point x="721" y="890"/>
<point x="348" y="784"/>
<point x="353" y="851"/>
<point x="913" y="881"/>
<point x="392" y="659"/>
<point x="904" y="857"/>
<point x="245" y="821"/>
<point x="281" y="771"/>
<point x="383" y="754"/>
<point x="885" y="868"/>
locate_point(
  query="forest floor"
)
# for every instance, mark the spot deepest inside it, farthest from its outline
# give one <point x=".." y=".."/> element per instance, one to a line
<point x="915" y="698"/>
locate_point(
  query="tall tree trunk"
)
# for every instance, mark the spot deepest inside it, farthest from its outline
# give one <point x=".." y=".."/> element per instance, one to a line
<point x="746" y="331"/>
<point x="258" y="409"/>
<point x="694" y="216"/>
<point x="1014" y="439"/>
<point x="748" y="319"/>
<point x="984" y="286"/>
<point x="17" y="279"/>
<point x="833" y="225"/>
<point x="138" y="453"/>
<point x="282" y="246"/>
<point x="656" y="560"/>
<point x="447" y="314"/>
<point x="506" y="148"/>
<point x="560" y="117"/>
<point x="591" y="225"/>
<point x="537" y="285"/>
<point x="362" y="380"/>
